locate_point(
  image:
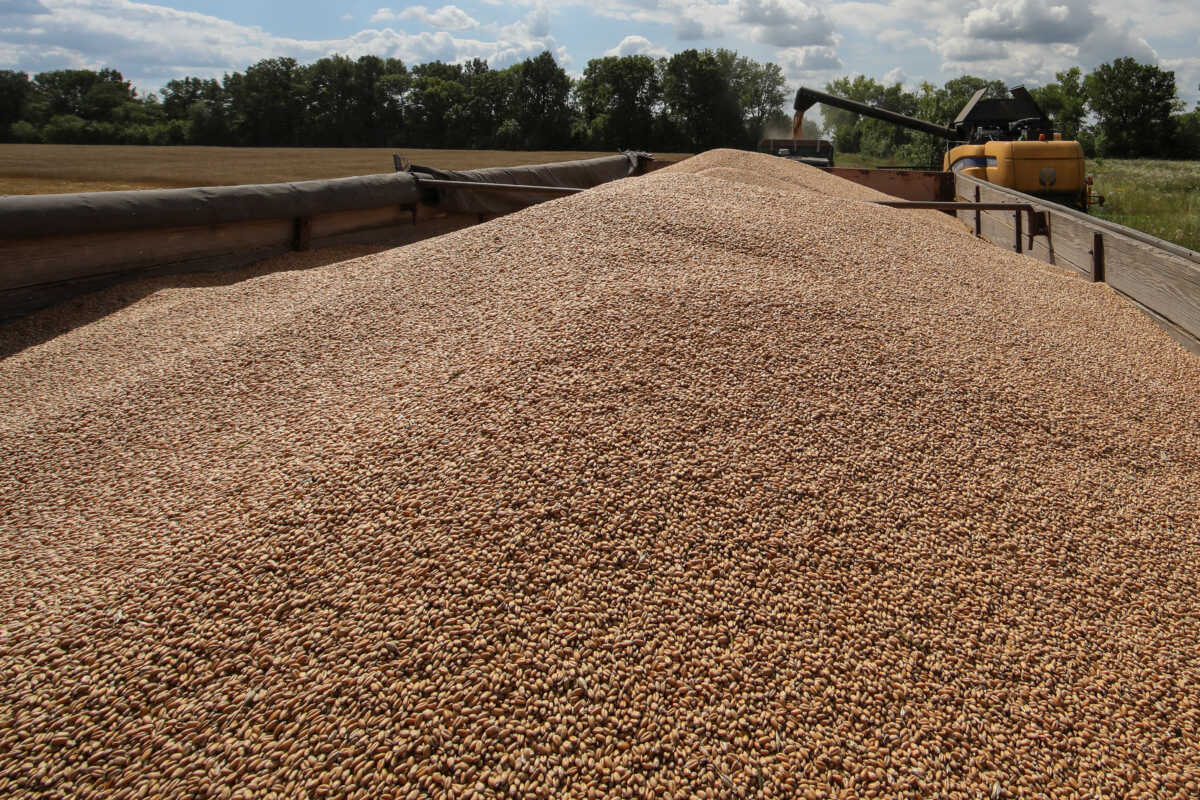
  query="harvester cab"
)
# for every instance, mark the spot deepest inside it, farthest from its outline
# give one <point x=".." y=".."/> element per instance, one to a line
<point x="1008" y="141"/>
<point x="1001" y="119"/>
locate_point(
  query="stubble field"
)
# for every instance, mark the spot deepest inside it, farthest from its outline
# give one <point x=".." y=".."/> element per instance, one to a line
<point x="49" y="168"/>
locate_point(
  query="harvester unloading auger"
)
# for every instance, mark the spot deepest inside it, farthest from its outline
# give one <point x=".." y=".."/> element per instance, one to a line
<point x="1006" y="141"/>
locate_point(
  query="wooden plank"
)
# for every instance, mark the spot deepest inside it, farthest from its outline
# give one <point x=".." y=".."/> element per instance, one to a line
<point x="1069" y="244"/>
<point x="901" y="183"/>
<point x="347" y="227"/>
<point x="1190" y="342"/>
<point x="31" y="262"/>
<point x="990" y="194"/>
<point x="997" y="228"/>
<point x="1161" y="278"/>
<point x="27" y="299"/>
<point x="1065" y="250"/>
<point x="326" y="225"/>
<point x="401" y="234"/>
<point x="1163" y="282"/>
<point x="49" y="259"/>
<point x="963" y="184"/>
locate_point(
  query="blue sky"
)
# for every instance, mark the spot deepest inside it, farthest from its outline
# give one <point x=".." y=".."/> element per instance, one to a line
<point x="813" y="40"/>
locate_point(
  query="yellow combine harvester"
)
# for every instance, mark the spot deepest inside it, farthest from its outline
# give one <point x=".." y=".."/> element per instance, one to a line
<point x="1006" y="141"/>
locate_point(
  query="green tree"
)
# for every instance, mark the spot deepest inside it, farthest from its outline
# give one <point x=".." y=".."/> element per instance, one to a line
<point x="846" y="127"/>
<point x="942" y="106"/>
<point x="1187" y="135"/>
<point x="1133" y="104"/>
<point x="394" y="87"/>
<point x="854" y="133"/>
<point x="201" y="107"/>
<point x="762" y="90"/>
<point x="618" y="98"/>
<point x="1065" y="102"/>
<point x="67" y="129"/>
<point x="25" y="131"/>
<point x="14" y="96"/>
<point x="435" y="111"/>
<point x="373" y="116"/>
<point x="539" y="102"/>
<point x="81" y="93"/>
<point x="331" y="117"/>
<point x="436" y="106"/>
<point x="489" y="93"/>
<point x="700" y="101"/>
<point x="266" y="103"/>
<point x="439" y="70"/>
<point x="508" y="135"/>
<point x="179" y="95"/>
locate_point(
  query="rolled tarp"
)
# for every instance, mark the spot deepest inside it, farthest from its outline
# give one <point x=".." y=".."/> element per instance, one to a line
<point x="582" y="174"/>
<point x="28" y="216"/>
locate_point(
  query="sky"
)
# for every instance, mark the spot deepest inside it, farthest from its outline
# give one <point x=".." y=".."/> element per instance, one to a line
<point x="909" y="41"/>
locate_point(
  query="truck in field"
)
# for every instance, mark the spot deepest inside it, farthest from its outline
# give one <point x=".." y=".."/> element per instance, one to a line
<point x="816" y="152"/>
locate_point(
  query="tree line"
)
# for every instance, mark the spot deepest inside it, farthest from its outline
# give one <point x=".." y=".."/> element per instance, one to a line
<point x="692" y="101"/>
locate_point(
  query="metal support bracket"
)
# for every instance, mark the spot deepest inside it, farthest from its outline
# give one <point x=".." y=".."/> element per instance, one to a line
<point x="1038" y="221"/>
<point x="301" y="233"/>
<point x="1098" y="257"/>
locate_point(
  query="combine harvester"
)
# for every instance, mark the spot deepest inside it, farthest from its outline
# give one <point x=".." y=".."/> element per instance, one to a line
<point x="1005" y="141"/>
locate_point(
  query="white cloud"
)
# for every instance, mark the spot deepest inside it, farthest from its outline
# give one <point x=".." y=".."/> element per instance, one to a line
<point x="1031" y="21"/>
<point x="636" y="46"/>
<point x="801" y="61"/>
<point x="785" y="23"/>
<point x="1012" y="40"/>
<point x="688" y="29"/>
<point x="900" y="39"/>
<point x="866" y="17"/>
<point x="895" y="75"/>
<point x="21" y="8"/>
<point x="964" y="50"/>
<point x="1154" y="18"/>
<point x="1111" y="40"/>
<point x="691" y="19"/>
<point x="538" y="22"/>
<point x="1187" y="79"/>
<point x="447" y="18"/>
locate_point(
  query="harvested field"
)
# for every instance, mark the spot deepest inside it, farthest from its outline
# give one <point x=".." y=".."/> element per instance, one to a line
<point x="57" y="168"/>
<point x="676" y="487"/>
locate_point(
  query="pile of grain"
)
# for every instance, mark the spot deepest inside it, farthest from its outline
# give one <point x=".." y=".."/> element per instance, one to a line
<point x="677" y="487"/>
<point x="738" y="166"/>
